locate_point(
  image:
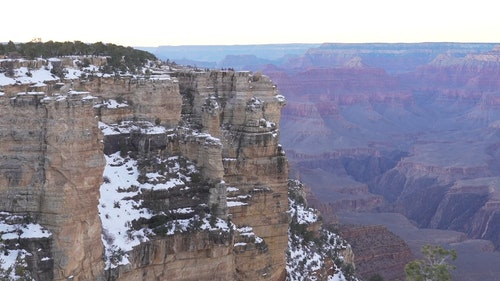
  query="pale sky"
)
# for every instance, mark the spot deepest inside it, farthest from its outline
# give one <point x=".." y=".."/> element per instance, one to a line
<point x="231" y="22"/>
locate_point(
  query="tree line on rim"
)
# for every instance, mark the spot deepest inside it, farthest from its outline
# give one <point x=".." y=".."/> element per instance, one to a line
<point x="119" y="57"/>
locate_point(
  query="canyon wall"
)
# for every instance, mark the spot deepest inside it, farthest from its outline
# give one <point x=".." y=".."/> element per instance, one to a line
<point x="243" y="110"/>
<point x="220" y="128"/>
<point x="154" y="100"/>
<point x="51" y="168"/>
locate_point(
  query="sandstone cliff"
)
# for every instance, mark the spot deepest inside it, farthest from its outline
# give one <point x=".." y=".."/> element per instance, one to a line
<point x="243" y="111"/>
<point x="179" y="176"/>
<point x="51" y="166"/>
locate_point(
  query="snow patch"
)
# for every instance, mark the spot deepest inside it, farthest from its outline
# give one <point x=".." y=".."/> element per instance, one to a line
<point x="14" y="227"/>
<point x="127" y="127"/>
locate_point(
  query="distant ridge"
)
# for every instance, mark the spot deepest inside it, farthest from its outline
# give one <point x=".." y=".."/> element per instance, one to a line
<point x="372" y="54"/>
<point x="210" y="55"/>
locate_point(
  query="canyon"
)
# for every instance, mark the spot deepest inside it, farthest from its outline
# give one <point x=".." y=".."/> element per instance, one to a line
<point x="185" y="172"/>
<point x="399" y="135"/>
<point x="420" y="142"/>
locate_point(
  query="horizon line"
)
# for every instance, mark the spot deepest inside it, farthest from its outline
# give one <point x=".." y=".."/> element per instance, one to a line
<point x="323" y="43"/>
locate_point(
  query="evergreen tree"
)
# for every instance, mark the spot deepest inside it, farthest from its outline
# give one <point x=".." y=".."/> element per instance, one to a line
<point x="119" y="58"/>
<point x="10" y="47"/>
<point x="433" y="267"/>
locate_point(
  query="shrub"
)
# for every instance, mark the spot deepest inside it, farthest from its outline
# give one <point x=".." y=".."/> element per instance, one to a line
<point x="195" y="177"/>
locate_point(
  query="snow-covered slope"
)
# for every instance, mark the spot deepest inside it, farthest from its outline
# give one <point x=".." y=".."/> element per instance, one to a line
<point x="314" y="251"/>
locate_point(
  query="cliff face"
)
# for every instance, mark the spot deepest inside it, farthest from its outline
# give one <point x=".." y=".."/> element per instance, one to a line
<point x="154" y="100"/>
<point x="51" y="166"/>
<point x="243" y="110"/>
<point x="192" y="184"/>
<point x="229" y="132"/>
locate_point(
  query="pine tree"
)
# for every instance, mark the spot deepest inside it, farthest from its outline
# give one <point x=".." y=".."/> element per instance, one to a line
<point x="10" y="47"/>
<point x="433" y="267"/>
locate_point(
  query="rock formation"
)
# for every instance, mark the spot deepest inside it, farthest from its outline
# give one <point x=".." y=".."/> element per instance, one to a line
<point x="315" y="250"/>
<point x="51" y="166"/>
<point x="406" y="128"/>
<point x="243" y="111"/>
<point x="192" y="185"/>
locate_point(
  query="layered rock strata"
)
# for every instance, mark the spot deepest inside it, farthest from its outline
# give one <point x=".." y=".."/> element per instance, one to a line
<point x="223" y="123"/>
<point x="243" y="110"/>
<point x="51" y="166"/>
<point x="155" y="100"/>
<point x="377" y="251"/>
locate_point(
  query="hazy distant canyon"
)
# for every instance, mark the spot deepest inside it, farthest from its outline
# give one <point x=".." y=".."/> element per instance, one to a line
<point x="192" y="168"/>
<point x="405" y="135"/>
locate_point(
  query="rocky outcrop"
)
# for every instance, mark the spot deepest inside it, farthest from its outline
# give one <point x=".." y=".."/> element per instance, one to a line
<point x="51" y="169"/>
<point x="156" y="100"/>
<point x="230" y="133"/>
<point x="243" y="110"/>
<point x="205" y="195"/>
<point x="188" y="256"/>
